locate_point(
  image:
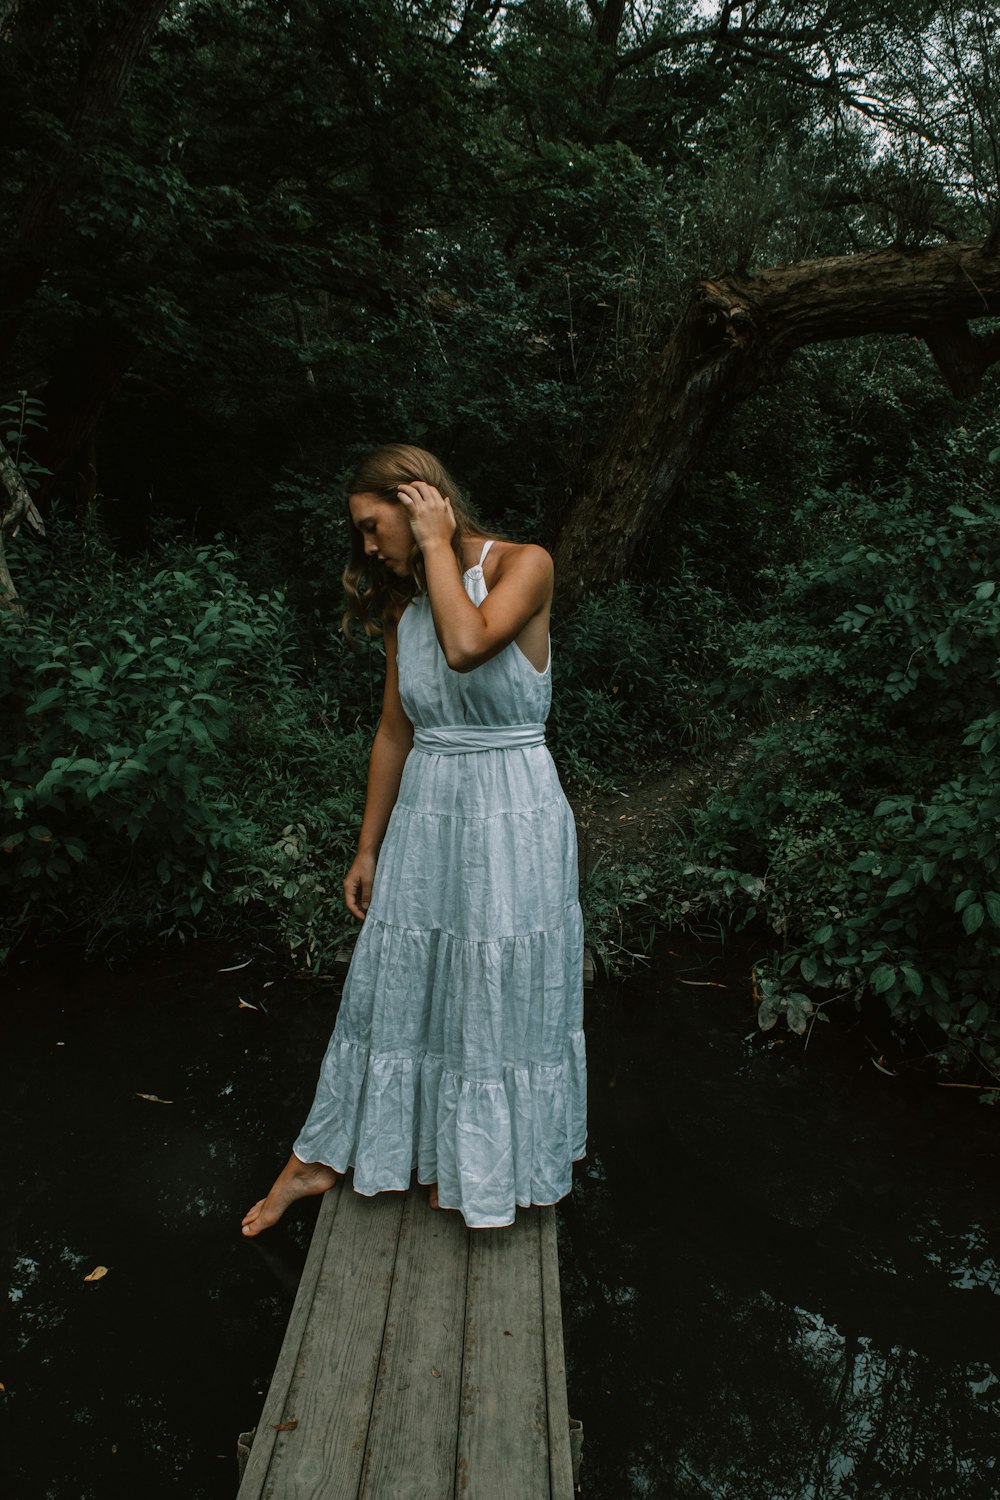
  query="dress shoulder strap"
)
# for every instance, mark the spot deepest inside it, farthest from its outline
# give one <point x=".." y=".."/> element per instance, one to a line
<point x="482" y="555"/>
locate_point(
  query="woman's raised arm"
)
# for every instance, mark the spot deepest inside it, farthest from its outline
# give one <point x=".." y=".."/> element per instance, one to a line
<point x="470" y="634"/>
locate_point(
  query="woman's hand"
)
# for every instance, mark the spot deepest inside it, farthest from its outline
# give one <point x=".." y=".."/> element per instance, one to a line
<point x="430" y="514"/>
<point x="358" y="885"/>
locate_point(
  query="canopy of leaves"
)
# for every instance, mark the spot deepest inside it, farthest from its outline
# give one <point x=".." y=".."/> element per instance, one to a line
<point x="306" y="227"/>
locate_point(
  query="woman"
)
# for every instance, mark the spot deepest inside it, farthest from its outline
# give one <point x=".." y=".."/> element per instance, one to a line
<point x="458" y="1048"/>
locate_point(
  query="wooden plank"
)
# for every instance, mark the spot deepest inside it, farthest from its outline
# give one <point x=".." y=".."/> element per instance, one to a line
<point x="334" y="1381"/>
<point x="560" y="1455"/>
<point x="414" y="1428"/>
<point x="422" y="1361"/>
<point x="502" y="1439"/>
<point x="332" y="1385"/>
<point x="275" y="1403"/>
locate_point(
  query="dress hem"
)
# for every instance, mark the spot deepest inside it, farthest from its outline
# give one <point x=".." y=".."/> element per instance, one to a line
<point x="450" y="1208"/>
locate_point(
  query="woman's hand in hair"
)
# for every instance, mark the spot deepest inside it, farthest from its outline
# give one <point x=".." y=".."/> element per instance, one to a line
<point x="431" y="516"/>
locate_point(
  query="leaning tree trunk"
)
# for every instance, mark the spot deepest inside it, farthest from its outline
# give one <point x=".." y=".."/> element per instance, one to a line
<point x="734" y="336"/>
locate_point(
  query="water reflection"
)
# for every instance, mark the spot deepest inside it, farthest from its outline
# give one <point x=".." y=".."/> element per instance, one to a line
<point x="780" y="1274"/>
<point x="786" y="1271"/>
<point x="138" y="1384"/>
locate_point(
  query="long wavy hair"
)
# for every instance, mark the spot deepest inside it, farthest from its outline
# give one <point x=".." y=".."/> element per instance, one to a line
<point x="373" y="591"/>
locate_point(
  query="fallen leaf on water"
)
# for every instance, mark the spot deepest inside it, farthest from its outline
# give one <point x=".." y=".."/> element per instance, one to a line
<point x="879" y="1062"/>
<point x="2" y="1386"/>
<point x="97" y="1274"/>
<point x="234" y="967"/>
<point x="286" y="1426"/>
<point x="154" y="1098"/>
<point x="245" y="1004"/>
<point x="704" y="984"/>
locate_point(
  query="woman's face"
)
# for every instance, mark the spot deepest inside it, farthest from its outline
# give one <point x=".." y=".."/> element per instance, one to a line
<point x="385" y="530"/>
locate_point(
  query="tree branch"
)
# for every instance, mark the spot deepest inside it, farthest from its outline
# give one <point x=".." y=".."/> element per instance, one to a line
<point x="735" y="334"/>
<point x="20" y="507"/>
<point x="676" y="41"/>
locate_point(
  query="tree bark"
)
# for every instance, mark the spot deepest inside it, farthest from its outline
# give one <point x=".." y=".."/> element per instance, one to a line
<point x="734" y="336"/>
<point x="18" y="507"/>
<point x="8" y="18"/>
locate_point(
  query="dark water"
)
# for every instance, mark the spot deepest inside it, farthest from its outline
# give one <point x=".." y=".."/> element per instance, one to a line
<point x="781" y="1271"/>
<point x="779" y="1267"/>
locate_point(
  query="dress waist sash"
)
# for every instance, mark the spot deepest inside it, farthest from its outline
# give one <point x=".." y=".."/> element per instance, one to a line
<point x="466" y="739"/>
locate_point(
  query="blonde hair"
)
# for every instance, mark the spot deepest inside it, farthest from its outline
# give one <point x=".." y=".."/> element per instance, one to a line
<point x="372" y="590"/>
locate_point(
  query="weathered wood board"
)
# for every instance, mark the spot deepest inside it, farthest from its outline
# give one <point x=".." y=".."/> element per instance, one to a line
<point x="422" y="1361"/>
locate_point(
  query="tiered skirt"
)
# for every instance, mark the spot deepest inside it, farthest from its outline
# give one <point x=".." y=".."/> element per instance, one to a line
<point x="458" y="1049"/>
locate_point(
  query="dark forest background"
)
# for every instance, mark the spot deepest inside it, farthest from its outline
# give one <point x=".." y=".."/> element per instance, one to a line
<point x="702" y="296"/>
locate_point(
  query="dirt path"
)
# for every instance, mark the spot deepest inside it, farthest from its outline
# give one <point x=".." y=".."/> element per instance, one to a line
<point x="624" y="823"/>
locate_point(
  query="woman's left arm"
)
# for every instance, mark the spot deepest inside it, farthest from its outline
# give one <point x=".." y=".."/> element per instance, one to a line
<point x="471" y="634"/>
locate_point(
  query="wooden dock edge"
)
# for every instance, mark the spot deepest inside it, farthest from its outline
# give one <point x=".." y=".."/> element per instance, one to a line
<point x="254" y="1471"/>
<point x="255" y="1449"/>
<point x="562" y="1479"/>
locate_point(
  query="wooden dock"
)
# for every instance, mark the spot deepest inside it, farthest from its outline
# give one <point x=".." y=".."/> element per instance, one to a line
<point x="422" y="1361"/>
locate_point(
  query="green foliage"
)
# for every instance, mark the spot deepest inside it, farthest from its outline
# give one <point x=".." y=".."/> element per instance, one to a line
<point x="19" y="418"/>
<point x="460" y="225"/>
<point x="290" y="759"/>
<point x="862" y="825"/>
<point x="160" y="739"/>
<point x="618" y="915"/>
<point x="631" y="670"/>
<point x="471" y="228"/>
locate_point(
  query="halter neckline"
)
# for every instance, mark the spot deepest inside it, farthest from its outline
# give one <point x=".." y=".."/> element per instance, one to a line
<point x="482" y="557"/>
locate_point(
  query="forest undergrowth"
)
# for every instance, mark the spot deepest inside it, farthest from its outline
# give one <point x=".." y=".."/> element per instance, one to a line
<point x="482" y="229"/>
<point x="844" y="806"/>
<point x="801" y="698"/>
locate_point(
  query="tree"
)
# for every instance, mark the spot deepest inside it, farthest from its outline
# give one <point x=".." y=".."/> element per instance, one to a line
<point x="737" y="333"/>
<point x="464" y="221"/>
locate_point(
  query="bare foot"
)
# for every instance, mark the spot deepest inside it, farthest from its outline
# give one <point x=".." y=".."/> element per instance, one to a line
<point x="298" y="1179"/>
<point x="432" y="1198"/>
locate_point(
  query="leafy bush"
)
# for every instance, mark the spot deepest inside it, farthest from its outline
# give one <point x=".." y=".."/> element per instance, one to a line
<point x="299" y="780"/>
<point x="630" y="669"/>
<point x="618" y="917"/>
<point x="137" y="797"/>
<point x="863" y="824"/>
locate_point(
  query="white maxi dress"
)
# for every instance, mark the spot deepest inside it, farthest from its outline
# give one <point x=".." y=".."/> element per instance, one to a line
<point x="458" y="1048"/>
